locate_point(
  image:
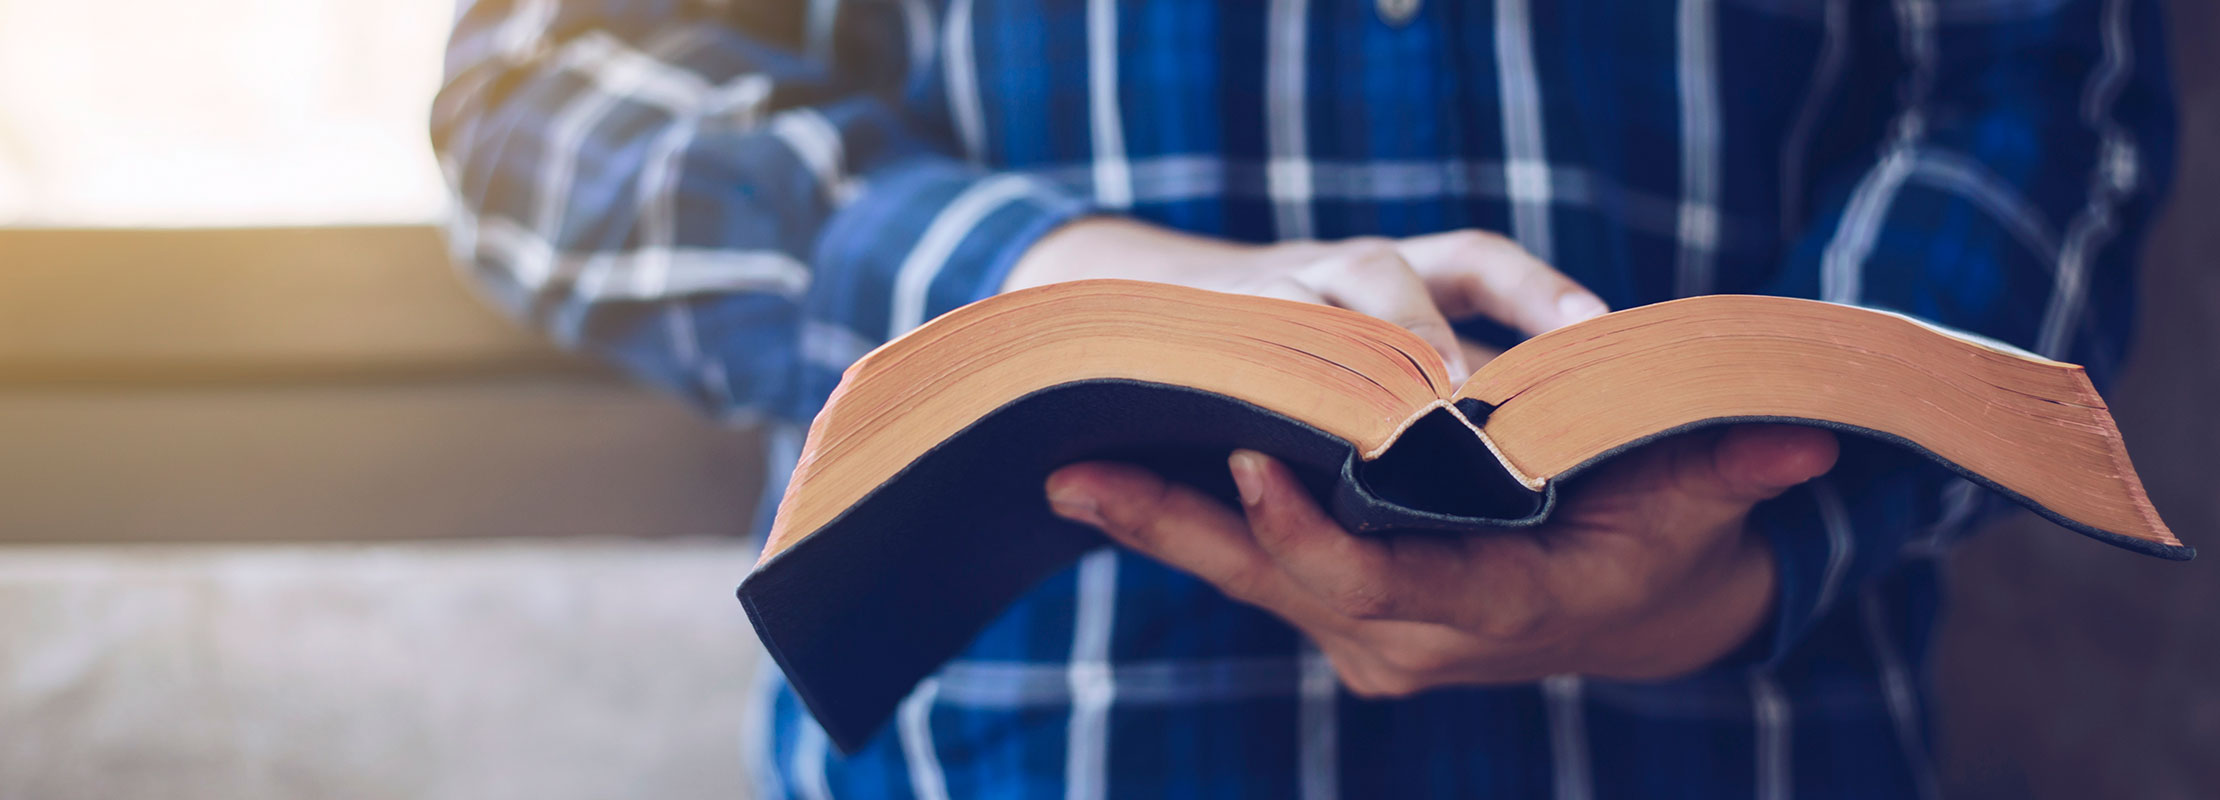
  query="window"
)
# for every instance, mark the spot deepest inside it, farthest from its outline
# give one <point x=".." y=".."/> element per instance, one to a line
<point x="156" y="113"/>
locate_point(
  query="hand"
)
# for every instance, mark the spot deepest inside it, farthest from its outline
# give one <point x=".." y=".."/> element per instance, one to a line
<point x="1418" y="283"/>
<point x="1645" y="571"/>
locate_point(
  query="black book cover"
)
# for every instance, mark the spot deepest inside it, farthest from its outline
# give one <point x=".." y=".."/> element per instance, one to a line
<point x="860" y="611"/>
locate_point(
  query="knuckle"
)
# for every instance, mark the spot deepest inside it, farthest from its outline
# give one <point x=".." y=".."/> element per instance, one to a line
<point x="1367" y="600"/>
<point x="1535" y="280"/>
<point x="1138" y="519"/>
<point x="1372" y="259"/>
<point x="1247" y="582"/>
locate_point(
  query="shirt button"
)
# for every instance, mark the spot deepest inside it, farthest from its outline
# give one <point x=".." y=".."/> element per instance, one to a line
<point x="1397" y="13"/>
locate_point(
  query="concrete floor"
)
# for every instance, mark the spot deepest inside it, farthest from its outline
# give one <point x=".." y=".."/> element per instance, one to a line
<point x="525" y="669"/>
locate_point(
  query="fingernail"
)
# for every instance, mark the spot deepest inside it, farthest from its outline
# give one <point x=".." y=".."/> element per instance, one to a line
<point x="1248" y="477"/>
<point x="1576" y="306"/>
<point x="1075" y="505"/>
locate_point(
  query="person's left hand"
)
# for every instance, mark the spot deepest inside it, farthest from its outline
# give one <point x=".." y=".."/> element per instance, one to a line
<point x="1645" y="571"/>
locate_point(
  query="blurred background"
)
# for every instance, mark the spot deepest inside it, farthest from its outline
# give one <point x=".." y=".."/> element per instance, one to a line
<point x="286" y="512"/>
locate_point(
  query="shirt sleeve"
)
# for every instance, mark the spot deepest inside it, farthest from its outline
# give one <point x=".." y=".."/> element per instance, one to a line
<point x="2006" y="198"/>
<point x="723" y="198"/>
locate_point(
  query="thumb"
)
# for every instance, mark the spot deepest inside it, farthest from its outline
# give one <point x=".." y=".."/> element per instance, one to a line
<point x="1752" y="463"/>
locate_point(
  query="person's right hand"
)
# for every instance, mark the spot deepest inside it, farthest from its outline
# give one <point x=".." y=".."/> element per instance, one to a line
<point x="1419" y="283"/>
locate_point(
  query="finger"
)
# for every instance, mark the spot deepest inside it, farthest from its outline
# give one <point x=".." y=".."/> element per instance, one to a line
<point x="1377" y="282"/>
<point x="1353" y="577"/>
<point x="1477" y="354"/>
<point x="1479" y="273"/>
<point x="1290" y="289"/>
<point x="1754" y="463"/>
<point x="1697" y="482"/>
<point x="1640" y="526"/>
<point x="1173" y="524"/>
<point x="1486" y="585"/>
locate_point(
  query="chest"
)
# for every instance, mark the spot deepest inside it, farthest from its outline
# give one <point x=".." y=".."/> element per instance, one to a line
<point x="1038" y="82"/>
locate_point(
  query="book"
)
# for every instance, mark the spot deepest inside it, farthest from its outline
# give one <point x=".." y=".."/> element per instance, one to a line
<point x="916" y="513"/>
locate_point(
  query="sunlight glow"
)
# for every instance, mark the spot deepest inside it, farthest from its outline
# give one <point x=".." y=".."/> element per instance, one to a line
<point x="218" y="112"/>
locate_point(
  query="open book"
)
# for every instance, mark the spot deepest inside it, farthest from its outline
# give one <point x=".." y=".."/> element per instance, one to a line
<point x="916" y="513"/>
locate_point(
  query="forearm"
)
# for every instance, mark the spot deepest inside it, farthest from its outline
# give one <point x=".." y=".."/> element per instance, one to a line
<point x="1118" y="247"/>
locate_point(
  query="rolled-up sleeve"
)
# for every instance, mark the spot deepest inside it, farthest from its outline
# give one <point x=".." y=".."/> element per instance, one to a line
<point x="725" y="200"/>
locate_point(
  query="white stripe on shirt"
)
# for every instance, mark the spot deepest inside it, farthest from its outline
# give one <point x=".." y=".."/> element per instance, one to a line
<point x="1974" y="181"/>
<point x="1833" y="50"/>
<point x="1775" y="777"/>
<point x="524" y="33"/>
<point x="1161" y="682"/>
<point x="1087" y="743"/>
<point x="658" y="203"/>
<point x="615" y="74"/>
<point x="567" y="132"/>
<point x="831" y="345"/>
<point x="1915" y="24"/>
<point x="914" y="279"/>
<point x="1841" y="542"/>
<point x="1568" y="737"/>
<point x="1526" y="157"/>
<point x="1699" y="148"/>
<point x="963" y="81"/>
<point x="1842" y="264"/>
<point x="811" y="752"/>
<point x="917" y="21"/>
<point x="1317" y="724"/>
<point x="689" y="270"/>
<point x="818" y="38"/>
<point x="1897" y="689"/>
<point x="1107" y="127"/>
<point x="1959" y="499"/>
<point x="2069" y="292"/>
<point x="757" y="730"/>
<point x="1179" y="178"/>
<point x="652" y="77"/>
<point x="1287" y="144"/>
<point x="914" y="726"/>
<point x="2112" y="175"/>
<point x="815" y="141"/>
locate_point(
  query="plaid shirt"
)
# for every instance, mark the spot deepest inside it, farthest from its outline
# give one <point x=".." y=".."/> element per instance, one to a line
<point x="735" y="200"/>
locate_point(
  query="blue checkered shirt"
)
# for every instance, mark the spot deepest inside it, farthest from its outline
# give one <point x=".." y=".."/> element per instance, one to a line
<point x="734" y="200"/>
